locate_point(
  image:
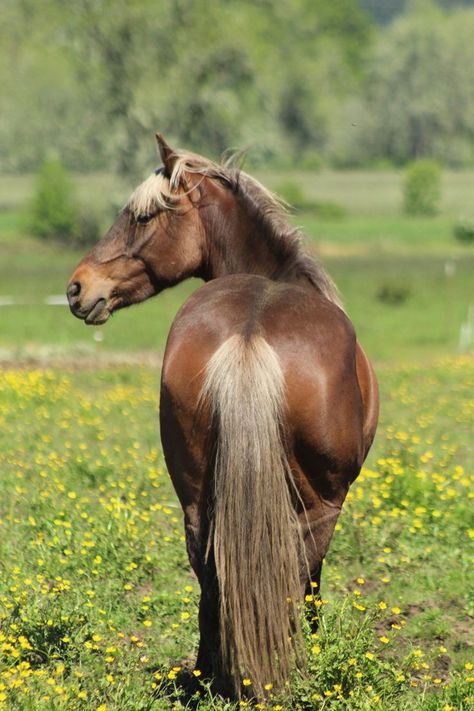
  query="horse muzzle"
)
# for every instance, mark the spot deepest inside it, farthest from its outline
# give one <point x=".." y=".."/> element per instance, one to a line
<point x="92" y="311"/>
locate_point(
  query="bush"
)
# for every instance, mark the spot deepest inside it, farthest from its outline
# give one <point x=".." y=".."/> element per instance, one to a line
<point x="54" y="213"/>
<point x="293" y="194"/>
<point x="329" y="210"/>
<point x="393" y="294"/>
<point x="464" y="230"/>
<point x="422" y="188"/>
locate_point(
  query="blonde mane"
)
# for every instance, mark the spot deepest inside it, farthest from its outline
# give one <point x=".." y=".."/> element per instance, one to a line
<point x="158" y="192"/>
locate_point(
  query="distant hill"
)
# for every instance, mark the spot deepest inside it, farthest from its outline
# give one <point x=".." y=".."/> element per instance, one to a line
<point x="384" y="11"/>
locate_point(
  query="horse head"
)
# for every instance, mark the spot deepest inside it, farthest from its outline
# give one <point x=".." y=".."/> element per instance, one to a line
<point x="156" y="241"/>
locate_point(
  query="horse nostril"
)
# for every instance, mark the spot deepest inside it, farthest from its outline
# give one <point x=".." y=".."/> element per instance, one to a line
<point x="74" y="290"/>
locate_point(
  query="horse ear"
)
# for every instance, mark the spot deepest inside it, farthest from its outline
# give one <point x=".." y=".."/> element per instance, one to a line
<point x="168" y="156"/>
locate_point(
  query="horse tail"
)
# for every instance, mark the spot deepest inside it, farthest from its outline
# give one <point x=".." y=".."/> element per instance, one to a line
<point x="255" y="537"/>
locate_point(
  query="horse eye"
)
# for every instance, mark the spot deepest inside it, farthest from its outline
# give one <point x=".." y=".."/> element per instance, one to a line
<point x="143" y="219"/>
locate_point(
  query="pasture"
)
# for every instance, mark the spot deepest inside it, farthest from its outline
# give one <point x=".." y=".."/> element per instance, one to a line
<point x="98" y="607"/>
<point x="405" y="281"/>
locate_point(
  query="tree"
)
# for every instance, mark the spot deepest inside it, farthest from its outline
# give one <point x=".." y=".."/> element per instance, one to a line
<point x="419" y="97"/>
<point x="104" y="74"/>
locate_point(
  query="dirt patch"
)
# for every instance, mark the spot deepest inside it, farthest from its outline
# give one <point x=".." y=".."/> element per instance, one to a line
<point x="441" y="667"/>
<point x="368" y="586"/>
<point x="44" y="358"/>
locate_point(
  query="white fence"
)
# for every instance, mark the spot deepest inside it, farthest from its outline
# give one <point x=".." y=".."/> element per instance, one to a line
<point x="52" y="300"/>
<point x="466" y="332"/>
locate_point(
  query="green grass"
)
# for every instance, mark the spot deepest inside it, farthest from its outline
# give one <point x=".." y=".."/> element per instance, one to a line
<point x="376" y="193"/>
<point x="390" y="270"/>
<point x="425" y="322"/>
<point x="97" y="602"/>
<point x="11" y="224"/>
<point x="390" y="235"/>
<point x="98" y="608"/>
<point x="362" y="192"/>
<point x="97" y="189"/>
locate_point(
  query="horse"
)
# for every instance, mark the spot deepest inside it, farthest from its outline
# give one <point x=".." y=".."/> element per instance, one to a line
<point x="268" y="403"/>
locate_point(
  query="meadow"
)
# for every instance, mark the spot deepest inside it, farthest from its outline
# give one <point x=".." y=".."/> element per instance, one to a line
<point x="98" y="607"/>
<point x="406" y="282"/>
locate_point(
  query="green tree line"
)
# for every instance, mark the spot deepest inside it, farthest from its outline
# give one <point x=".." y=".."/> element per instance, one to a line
<point x="300" y="83"/>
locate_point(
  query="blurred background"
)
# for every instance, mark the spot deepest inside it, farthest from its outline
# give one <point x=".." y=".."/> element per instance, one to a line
<point x="360" y="113"/>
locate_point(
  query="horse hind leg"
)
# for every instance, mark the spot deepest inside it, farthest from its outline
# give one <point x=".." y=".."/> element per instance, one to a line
<point x="207" y="661"/>
<point x="196" y="528"/>
<point x="183" y="438"/>
<point x="317" y="525"/>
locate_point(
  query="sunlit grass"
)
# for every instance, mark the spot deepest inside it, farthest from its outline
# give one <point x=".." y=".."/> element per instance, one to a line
<point x="375" y="193"/>
<point x="98" y="608"/>
<point x="423" y="319"/>
<point x="405" y="282"/>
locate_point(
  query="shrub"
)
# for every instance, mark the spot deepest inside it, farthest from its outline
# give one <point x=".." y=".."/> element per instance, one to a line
<point x="329" y="210"/>
<point x="464" y="230"/>
<point x="422" y="188"/>
<point x="393" y="294"/>
<point x="293" y="194"/>
<point x="53" y="213"/>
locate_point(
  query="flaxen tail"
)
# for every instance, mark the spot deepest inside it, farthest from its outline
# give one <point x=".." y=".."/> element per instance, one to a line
<point x="255" y="535"/>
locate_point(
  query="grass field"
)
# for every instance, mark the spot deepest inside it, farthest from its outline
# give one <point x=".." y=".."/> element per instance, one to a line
<point x="98" y="608"/>
<point x="391" y="270"/>
<point x="97" y="603"/>
<point x="404" y="308"/>
<point x="369" y="192"/>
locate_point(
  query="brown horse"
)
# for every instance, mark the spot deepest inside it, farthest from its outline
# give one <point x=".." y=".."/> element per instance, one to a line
<point x="268" y="403"/>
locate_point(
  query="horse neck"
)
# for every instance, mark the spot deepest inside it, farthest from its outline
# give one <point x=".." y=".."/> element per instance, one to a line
<point x="238" y="243"/>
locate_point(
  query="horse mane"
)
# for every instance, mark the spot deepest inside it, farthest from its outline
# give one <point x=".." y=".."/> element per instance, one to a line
<point x="158" y="192"/>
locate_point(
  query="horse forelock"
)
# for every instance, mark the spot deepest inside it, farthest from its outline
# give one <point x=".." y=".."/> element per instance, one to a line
<point x="158" y="190"/>
<point x="151" y="195"/>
